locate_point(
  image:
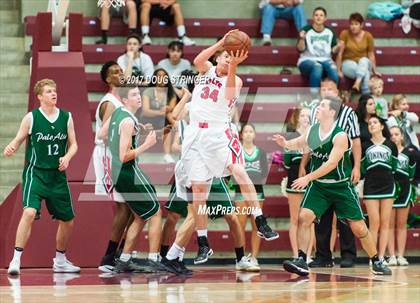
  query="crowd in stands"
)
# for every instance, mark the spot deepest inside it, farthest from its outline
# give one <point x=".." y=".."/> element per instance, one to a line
<point x="372" y="123"/>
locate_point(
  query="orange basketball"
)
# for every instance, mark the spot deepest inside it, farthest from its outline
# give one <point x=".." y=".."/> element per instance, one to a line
<point x="237" y="40"/>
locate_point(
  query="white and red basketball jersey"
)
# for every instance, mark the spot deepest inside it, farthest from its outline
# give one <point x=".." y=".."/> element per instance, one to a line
<point x="116" y="102"/>
<point x="208" y="103"/>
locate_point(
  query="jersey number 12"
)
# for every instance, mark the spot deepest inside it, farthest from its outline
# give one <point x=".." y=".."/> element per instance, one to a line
<point x="52" y="150"/>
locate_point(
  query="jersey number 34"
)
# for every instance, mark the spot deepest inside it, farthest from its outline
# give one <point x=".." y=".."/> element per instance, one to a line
<point x="206" y="94"/>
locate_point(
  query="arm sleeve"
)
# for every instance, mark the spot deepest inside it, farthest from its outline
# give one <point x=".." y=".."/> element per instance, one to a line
<point x="412" y="116"/>
<point x="370" y="42"/>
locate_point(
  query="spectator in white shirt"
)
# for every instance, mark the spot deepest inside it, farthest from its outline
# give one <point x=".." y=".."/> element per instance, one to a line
<point x="174" y="64"/>
<point x="135" y="62"/>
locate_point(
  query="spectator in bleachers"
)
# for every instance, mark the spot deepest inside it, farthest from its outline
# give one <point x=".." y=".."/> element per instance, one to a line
<point x="316" y="45"/>
<point x="174" y="64"/>
<point x="128" y="13"/>
<point x="271" y="10"/>
<point x="169" y="11"/>
<point x="297" y="125"/>
<point x="365" y="109"/>
<point x="401" y="116"/>
<point x="376" y="86"/>
<point x="159" y="100"/>
<point x="356" y="60"/>
<point x="405" y="196"/>
<point x="135" y="62"/>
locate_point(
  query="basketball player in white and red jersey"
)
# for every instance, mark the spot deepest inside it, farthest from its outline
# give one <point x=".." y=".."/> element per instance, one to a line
<point x="111" y="74"/>
<point x="211" y="147"/>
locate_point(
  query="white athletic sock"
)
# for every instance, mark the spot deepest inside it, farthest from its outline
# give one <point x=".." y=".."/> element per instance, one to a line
<point x="17" y="254"/>
<point x="181" y="254"/>
<point x="257" y="212"/>
<point x="145" y="29"/>
<point x="266" y="36"/>
<point x="125" y="257"/>
<point x="60" y="257"/>
<point x="181" y="30"/>
<point x="153" y="256"/>
<point x="173" y="252"/>
<point x="202" y="232"/>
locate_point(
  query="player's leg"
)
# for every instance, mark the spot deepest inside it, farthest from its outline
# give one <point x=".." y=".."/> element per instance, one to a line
<point x="32" y="188"/>
<point x="131" y="7"/>
<point x="154" y="233"/>
<point x="124" y="263"/>
<point x="346" y="202"/>
<point x="392" y="261"/>
<point x="294" y="207"/>
<point x="199" y="203"/>
<point x="173" y="261"/>
<point x="250" y="195"/>
<point x="145" y="22"/>
<point x="242" y="262"/>
<point x="60" y="206"/>
<point x="61" y="264"/>
<point x="372" y="208"/>
<point x="176" y="208"/>
<point x="315" y="203"/>
<point x="120" y="224"/>
<point x="23" y="233"/>
<point x="255" y="244"/>
<point x="299" y="266"/>
<point x="401" y="223"/>
<point x="168" y="231"/>
<point x="361" y="231"/>
<point x="105" y="22"/>
<point x="385" y="213"/>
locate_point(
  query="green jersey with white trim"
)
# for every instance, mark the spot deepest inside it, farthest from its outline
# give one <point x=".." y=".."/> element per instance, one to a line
<point x="47" y="141"/>
<point x="114" y="136"/>
<point x="321" y="149"/>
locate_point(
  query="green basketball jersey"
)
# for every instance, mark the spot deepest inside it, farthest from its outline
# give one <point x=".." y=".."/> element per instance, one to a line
<point x="114" y="136"/>
<point x="48" y="140"/>
<point x="321" y="149"/>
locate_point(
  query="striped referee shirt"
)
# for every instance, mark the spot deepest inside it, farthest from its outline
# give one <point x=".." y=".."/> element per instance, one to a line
<point x="347" y="119"/>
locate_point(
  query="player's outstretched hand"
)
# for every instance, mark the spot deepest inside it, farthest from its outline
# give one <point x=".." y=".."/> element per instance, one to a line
<point x="64" y="163"/>
<point x="280" y="140"/>
<point x="150" y="139"/>
<point x="238" y="57"/>
<point x="9" y="150"/>
<point x="300" y="183"/>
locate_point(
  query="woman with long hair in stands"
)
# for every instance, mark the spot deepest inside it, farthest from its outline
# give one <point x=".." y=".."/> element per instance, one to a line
<point x="257" y="169"/>
<point x="365" y="109"/>
<point x="379" y="160"/>
<point x="404" y="174"/>
<point x="296" y="126"/>
<point x="159" y="100"/>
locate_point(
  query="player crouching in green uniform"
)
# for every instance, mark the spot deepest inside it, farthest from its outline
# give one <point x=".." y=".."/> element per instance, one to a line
<point x="122" y="131"/>
<point x="51" y="145"/>
<point x="328" y="184"/>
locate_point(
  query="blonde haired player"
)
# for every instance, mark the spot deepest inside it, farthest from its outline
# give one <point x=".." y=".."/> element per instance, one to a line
<point x="51" y="146"/>
<point x="211" y="147"/>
